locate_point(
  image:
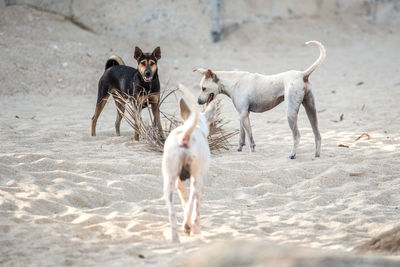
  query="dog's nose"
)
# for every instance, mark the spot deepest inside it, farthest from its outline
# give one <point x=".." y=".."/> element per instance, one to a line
<point x="147" y="73"/>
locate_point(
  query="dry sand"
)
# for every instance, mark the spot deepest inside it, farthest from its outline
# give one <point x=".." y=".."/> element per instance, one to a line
<point x="68" y="198"/>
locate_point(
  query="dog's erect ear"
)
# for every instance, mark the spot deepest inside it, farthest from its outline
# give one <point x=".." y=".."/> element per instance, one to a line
<point x="157" y="53"/>
<point x="138" y="53"/>
<point x="211" y="111"/>
<point x="201" y="70"/>
<point x="184" y="109"/>
<point x="210" y="74"/>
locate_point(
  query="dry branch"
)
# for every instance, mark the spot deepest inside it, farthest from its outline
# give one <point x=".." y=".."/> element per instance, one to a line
<point x="218" y="138"/>
<point x="362" y="135"/>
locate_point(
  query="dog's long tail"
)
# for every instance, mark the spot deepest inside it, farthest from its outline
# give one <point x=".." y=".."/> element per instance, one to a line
<point x="192" y="121"/>
<point x="322" y="55"/>
<point x="113" y="61"/>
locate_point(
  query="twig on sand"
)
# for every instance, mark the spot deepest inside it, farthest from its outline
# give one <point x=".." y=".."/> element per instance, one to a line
<point x="362" y="135"/>
<point x="340" y="118"/>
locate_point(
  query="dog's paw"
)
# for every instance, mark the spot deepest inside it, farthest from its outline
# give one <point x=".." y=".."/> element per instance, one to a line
<point x="292" y="156"/>
<point x="240" y="146"/>
<point x="175" y="240"/>
<point x="186" y="229"/>
<point x="174" y="236"/>
<point x="161" y="136"/>
<point x="195" y="229"/>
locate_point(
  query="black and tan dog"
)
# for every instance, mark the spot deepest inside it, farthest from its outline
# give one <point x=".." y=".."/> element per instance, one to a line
<point x="142" y="84"/>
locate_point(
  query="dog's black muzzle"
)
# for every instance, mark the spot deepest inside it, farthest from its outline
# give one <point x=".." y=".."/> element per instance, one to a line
<point x="147" y="76"/>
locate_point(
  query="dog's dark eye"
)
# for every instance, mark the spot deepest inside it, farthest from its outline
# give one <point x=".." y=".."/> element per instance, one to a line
<point x="203" y="88"/>
<point x="143" y="63"/>
<point x="152" y="63"/>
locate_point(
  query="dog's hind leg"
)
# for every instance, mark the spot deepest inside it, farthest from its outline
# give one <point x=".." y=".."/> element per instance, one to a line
<point x="186" y="225"/>
<point x="245" y="122"/>
<point x="99" y="108"/>
<point x="120" y="112"/>
<point x="180" y="186"/>
<point x="309" y="105"/>
<point x="196" y="212"/>
<point x="242" y="138"/>
<point x="169" y="198"/>
<point x="293" y="99"/>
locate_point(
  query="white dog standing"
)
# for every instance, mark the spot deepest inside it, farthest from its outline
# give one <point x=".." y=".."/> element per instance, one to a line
<point x="187" y="155"/>
<point x="253" y="92"/>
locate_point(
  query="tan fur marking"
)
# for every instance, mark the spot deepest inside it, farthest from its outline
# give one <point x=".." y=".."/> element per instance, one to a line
<point x="147" y="63"/>
<point x="153" y="68"/>
<point x="141" y="67"/>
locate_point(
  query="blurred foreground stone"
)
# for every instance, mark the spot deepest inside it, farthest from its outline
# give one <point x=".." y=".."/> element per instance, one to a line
<point x="388" y="242"/>
<point x="260" y="253"/>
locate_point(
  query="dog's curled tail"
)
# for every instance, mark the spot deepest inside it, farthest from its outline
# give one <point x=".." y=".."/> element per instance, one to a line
<point x="113" y="61"/>
<point x="322" y="55"/>
<point x="192" y="121"/>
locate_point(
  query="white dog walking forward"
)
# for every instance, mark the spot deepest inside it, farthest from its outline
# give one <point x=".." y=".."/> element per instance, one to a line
<point x="253" y="92"/>
<point x="187" y="155"/>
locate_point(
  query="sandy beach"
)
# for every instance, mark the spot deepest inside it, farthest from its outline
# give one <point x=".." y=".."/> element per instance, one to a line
<point x="67" y="198"/>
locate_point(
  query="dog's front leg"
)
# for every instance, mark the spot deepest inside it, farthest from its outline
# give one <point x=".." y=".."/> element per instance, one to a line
<point x="136" y="131"/>
<point x="136" y="118"/>
<point x="169" y="198"/>
<point x="245" y="121"/>
<point x="157" y="120"/>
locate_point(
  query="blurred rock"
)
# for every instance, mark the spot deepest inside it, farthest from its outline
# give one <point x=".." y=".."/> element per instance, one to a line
<point x="388" y="242"/>
<point x="260" y="253"/>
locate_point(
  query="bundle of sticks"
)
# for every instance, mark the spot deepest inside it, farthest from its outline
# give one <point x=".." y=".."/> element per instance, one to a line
<point x="218" y="138"/>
